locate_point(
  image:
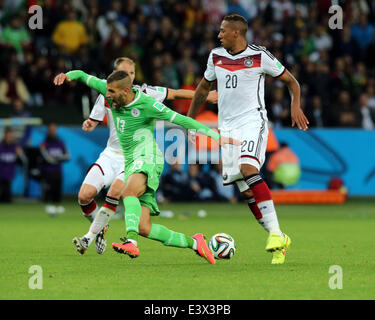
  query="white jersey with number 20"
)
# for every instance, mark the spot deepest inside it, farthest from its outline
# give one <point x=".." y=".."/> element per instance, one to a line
<point x="242" y="114"/>
<point x="240" y="82"/>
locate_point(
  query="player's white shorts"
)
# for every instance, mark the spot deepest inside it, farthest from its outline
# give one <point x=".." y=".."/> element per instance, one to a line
<point x="254" y="135"/>
<point x="106" y="169"/>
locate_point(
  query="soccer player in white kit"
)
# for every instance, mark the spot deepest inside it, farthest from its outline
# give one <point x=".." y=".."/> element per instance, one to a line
<point x="108" y="169"/>
<point x="240" y="70"/>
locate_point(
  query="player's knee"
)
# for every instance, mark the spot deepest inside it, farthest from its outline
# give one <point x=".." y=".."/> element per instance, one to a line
<point x="85" y="197"/>
<point x="248" y="170"/>
<point x="136" y="192"/>
<point x="114" y="193"/>
<point x="130" y="193"/>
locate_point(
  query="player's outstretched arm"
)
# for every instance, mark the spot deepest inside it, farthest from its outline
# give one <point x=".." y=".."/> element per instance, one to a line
<point x="297" y="115"/>
<point x="189" y="94"/>
<point x="199" y="98"/>
<point x="78" y="75"/>
<point x="161" y="111"/>
<point x="189" y="123"/>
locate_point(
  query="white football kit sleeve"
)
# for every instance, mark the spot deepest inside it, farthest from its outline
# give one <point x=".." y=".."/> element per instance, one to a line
<point x="159" y="93"/>
<point x="242" y="114"/>
<point x="110" y="164"/>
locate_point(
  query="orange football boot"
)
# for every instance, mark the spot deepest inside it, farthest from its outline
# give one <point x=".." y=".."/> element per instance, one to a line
<point x="202" y="248"/>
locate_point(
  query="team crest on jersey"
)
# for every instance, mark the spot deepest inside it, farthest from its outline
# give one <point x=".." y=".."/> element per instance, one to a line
<point x="248" y="63"/>
<point x="135" y="112"/>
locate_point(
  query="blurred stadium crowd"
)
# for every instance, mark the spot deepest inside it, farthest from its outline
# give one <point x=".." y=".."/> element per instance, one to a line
<point x="170" y="40"/>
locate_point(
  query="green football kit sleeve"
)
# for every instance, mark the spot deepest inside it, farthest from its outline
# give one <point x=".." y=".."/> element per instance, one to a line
<point x="91" y="81"/>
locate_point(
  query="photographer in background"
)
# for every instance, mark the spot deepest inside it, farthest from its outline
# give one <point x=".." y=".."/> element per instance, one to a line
<point x="53" y="152"/>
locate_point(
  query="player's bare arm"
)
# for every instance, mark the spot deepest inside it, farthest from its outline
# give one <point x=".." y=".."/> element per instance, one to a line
<point x="189" y="94"/>
<point x="89" y="125"/>
<point x="189" y="123"/>
<point x="60" y="79"/>
<point x="223" y="141"/>
<point x="297" y="115"/>
<point x="200" y="96"/>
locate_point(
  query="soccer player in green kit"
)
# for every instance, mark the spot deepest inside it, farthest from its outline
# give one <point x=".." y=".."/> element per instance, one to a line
<point x="134" y="115"/>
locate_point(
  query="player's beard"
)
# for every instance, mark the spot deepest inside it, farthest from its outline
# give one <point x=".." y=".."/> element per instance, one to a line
<point x="120" y="101"/>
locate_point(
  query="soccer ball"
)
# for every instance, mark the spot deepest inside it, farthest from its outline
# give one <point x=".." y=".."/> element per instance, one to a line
<point x="222" y="246"/>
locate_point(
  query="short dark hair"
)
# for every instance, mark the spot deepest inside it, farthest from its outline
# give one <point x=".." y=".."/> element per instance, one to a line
<point x="117" y="76"/>
<point x="240" y="19"/>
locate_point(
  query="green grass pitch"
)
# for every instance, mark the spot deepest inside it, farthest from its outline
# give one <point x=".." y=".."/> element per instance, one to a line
<point x="322" y="235"/>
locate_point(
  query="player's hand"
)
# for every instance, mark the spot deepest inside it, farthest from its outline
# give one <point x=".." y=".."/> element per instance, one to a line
<point x="88" y="125"/>
<point x="223" y="141"/>
<point x="299" y="118"/>
<point x="212" y="97"/>
<point x="60" y="79"/>
<point x="192" y="136"/>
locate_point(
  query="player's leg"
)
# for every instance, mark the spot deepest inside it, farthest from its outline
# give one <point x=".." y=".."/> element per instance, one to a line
<point x="269" y="222"/>
<point x="172" y="238"/>
<point x="113" y="195"/>
<point x="248" y="196"/>
<point x="100" y="225"/>
<point x="261" y="201"/>
<point x="98" y="176"/>
<point x="153" y="231"/>
<point x="91" y="186"/>
<point x="161" y="233"/>
<point x="113" y="164"/>
<point x="112" y="173"/>
<point x="135" y="186"/>
<point x="104" y="214"/>
<point x="262" y="206"/>
<point x="231" y="159"/>
<point x="251" y="157"/>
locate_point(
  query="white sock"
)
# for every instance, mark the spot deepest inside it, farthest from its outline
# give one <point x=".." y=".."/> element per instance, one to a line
<point x="269" y="219"/>
<point x="133" y="242"/>
<point x="195" y="245"/>
<point x="90" y="237"/>
<point x="101" y="219"/>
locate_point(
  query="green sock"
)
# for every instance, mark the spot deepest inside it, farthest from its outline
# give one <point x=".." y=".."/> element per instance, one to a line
<point x="132" y="217"/>
<point x="169" y="237"/>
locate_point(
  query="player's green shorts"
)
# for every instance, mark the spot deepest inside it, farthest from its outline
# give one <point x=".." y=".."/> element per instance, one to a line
<point x="153" y="172"/>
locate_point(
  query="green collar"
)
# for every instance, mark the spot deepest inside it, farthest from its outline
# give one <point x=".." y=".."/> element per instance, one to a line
<point x="136" y="98"/>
